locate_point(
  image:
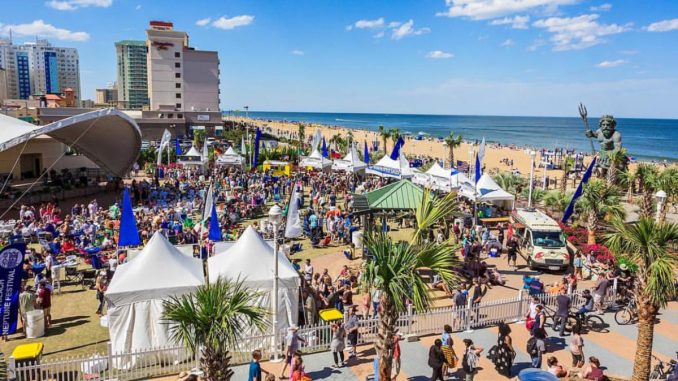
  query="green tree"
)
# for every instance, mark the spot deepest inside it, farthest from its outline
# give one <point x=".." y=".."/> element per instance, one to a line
<point x="567" y="166"/>
<point x="628" y="180"/>
<point x="394" y="133"/>
<point x="599" y="202"/>
<point x="617" y="159"/>
<point x="432" y="211"/>
<point x="384" y="136"/>
<point x="452" y="142"/>
<point x="648" y="178"/>
<point x="218" y="316"/>
<point x="648" y="246"/>
<point x="509" y="182"/>
<point x="538" y="195"/>
<point x="301" y="132"/>
<point x="557" y="201"/>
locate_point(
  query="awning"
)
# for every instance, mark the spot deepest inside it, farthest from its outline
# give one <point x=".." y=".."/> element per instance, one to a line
<point x="402" y="195"/>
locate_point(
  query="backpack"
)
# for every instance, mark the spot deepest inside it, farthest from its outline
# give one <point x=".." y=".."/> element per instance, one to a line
<point x="532" y="349"/>
<point x="469" y="361"/>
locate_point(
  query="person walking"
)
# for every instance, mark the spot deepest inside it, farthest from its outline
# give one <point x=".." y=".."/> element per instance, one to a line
<point x="101" y="284"/>
<point x="291" y="347"/>
<point x="536" y="347"/>
<point x="503" y="354"/>
<point x="44" y="301"/>
<point x="255" y="367"/>
<point x="448" y="350"/>
<point x="436" y="360"/>
<point x="539" y="319"/>
<point x="26" y="305"/>
<point x="599" y="292"/>
<point x="470" y="359"/>
<point x="512" y="246"/>
<point x="352" y="325"/>
<point x="563" y="303"/>
<point x="337" y="344"/>
<point x="577" y="348"/>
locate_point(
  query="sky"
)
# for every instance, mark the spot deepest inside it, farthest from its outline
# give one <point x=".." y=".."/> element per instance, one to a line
<point x="454" y="57"/>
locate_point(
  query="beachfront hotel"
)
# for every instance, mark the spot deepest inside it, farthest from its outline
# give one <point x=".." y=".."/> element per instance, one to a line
<point x="132" y="74"/>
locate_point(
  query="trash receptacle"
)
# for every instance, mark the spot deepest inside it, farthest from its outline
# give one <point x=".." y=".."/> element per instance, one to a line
<point x="25" y="355"/>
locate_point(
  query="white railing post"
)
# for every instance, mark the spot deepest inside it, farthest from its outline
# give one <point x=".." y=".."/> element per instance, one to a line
<point x="469" y="312"/>
<point x="409" y="318"/>
<point x="520" y="316"/>
<point x="11" y="371"/>
<point x="109" y="359"/>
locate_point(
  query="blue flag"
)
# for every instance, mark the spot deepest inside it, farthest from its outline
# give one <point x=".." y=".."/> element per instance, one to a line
<point x="129" y="235"/>
<point x="177" y="147"/>
<point x="257" y="139"/>
<point x="215" y="232"/>
<point x="396" y="148"/>
<point x="578" y="192"/>
<point x="479" y="160"/>
<point x="454" y="171"/>
<point x="11" y="273"/>
<point x="366" y="154"/>
<point x="325" y="153"/>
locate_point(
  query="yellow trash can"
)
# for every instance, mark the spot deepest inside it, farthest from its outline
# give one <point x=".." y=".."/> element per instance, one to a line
<point x="27" y="354"/>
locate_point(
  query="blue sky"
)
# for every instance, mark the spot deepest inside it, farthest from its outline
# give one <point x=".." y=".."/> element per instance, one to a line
<point x="473" y="57"/>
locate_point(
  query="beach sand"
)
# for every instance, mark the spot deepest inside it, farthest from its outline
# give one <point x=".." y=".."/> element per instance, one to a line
<point x="494" y="154"/>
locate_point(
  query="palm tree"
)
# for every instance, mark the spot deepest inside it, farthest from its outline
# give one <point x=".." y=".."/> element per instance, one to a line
<point x="538" y="194"/>
<point x="384" y="135"/>
<point x="394" y="133"/>
<point x="452" y="141"/>
<point x="616" y="160"/>
<point x="509" y="182"/>
<point x="648" y="246"/>
<point x="567" y="166"/>
<point x="628" y="179"/>
<point x="647" y="176"/>
<point x="557" y="201"/>
<point x="393" y="271"/>
<point x="217" y="317"/>
<point x="431" y="211"/>
<point x="598" y="202"/>
<point x="301" y="133"/>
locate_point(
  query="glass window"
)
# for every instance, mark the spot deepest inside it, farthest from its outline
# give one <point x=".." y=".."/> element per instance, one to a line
<point x="549" y="239"/>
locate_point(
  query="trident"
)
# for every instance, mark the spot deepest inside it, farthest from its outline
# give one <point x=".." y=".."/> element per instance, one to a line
<point x="583" y="113"/>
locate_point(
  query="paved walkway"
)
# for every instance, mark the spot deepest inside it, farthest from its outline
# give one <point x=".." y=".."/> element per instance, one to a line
<point x="615" y="349"/>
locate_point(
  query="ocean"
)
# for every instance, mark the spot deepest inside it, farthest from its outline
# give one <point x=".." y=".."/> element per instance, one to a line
<point x="645" y="139"/>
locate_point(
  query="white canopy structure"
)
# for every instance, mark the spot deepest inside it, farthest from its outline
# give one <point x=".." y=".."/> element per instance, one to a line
<point x="108" y="137"/>
<point x="315" y="160"/>
<point x="251" y="260"/>
<point x="193" y="158"/>
<point x="439" y="178"/>
<point x="396" y="169"/>
<point x="137" y="291"/>
<point x="486" y="190"/>
<point x="230" y="157"/>
<point x="350" y="163"/>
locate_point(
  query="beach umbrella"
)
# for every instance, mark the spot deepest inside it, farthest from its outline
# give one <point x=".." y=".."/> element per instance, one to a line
<point x="129" y="235"/>
<point x="532" y="374"/>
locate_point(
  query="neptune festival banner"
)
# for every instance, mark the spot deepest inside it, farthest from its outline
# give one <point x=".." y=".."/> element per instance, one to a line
<point x="11" y="272"/>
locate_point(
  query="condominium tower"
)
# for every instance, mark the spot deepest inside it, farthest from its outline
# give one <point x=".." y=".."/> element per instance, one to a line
<point x="38" y="67"/>
<point x="132" y="74"/>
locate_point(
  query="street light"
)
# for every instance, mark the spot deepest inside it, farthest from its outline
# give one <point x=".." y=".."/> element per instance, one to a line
<point x="661" y="197"/>
<point x="275" y="217"/>
<point x="529" y="196"/>
<point x="543" y="162"/>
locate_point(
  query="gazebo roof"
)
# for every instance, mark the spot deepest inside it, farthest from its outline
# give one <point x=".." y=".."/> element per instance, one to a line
<point x="401" y="195"/>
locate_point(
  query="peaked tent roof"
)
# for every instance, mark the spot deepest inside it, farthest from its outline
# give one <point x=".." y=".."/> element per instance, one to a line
<point x="437" y="170"/>
<point x="231" y="151"/>
<point x="401" y="195"/>
<point x="251" y="259"/>
<point x="85" y="132"/>
<point x="315" y="160"/>
<point x="159" y="271"/>
<point x="351" y="162"/>
<point x="192" y="152"/>
<point x="486" y="190"/>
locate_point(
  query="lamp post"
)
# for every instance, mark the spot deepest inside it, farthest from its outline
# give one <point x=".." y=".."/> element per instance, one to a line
<point x="661" y="197"/>
<point x="470" y="160"/>
<point x="529" y="196"/>
<point x="543" y="181"/>
<point x="275" y="217"/>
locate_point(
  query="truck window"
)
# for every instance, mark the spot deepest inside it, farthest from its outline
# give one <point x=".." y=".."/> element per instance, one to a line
<point x="528" y="238"/>
<point x="549" y="239"/>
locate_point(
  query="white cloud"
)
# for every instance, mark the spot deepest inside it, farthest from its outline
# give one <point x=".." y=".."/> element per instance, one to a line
<point x="601" y="8"/>
<point x="394" y="24"/>
<point x="203" y="22"/>
<point x="439" y="55"/>
<point x="508" y="43"/>
<point x="233" y="22"/>
<point x="536" y="44"/>
<point x="487" y="9"/>
<point x="70" y="5"/>
<point x="407" y="29"/>
<point x="297" y="52"/>
<point x="40" y="29"/>
<point x="609" y="64"/>
<point x="368" y="24"/>
<point x="663" y="26"/>
<point x="517" y="22"/>
<point x="579" y="32"/>
<point x="138" y="7"/>
<point x="379" y="35"/>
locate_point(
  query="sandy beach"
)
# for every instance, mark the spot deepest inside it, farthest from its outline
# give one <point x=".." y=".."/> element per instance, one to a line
<point x="494" y="154"/>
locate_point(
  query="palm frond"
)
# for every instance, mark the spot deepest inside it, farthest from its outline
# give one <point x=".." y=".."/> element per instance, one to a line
<point x="431" y="211"/>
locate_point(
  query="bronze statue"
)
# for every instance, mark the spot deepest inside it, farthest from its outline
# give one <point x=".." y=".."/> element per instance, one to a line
<point x="610" y="139"/>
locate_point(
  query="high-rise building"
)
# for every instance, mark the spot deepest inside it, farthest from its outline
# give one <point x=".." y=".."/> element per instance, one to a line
<point x="106" y="97"/>
<point x="3" y="85"/>
<point x="180" y="78"/>
<point x="132" y="74"/>
<point x="38" y="67"/>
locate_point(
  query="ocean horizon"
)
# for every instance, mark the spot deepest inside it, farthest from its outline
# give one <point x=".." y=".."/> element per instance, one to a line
<point x="645" y="139"/>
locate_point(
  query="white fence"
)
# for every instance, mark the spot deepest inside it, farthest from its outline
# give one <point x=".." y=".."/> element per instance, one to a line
<point x="172" y="360"/>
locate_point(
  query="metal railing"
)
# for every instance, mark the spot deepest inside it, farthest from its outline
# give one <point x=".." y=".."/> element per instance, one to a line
<point x="155" y="362"/>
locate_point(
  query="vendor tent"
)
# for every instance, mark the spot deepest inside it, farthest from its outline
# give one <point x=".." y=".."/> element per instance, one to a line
<point x="315" y="160"/>
<point x="136" y="294"/>
<point x="230" y="157"/>
<point x="401" y="195"/>
<point x="251" y="259"/>
<point x="350" y="163"/>
<point x="439" y="178"/>
<point x="387" y="167"/>
<point x="192" y="158"/>
<point x="486" y="190"/>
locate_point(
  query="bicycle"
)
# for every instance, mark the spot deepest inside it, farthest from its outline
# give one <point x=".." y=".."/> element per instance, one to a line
<point x="663" y="370"/>
<point x="628" y="314"/>
<point x="588" y="321"/>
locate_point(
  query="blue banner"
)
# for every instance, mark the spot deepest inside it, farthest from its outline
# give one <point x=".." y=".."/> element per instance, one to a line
<point x="177" y="147"/>
<point x="215" y="232"/>
<point x="578" y="192"/>
<point x="256" y="149"/>
<point x="396" y="148"/>
<point x="366" y="154"/>
<point x="129" y="235"/>
<point x="11" y="272"/>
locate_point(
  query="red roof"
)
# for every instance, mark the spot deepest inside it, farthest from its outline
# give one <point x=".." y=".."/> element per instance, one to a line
<point x="53" y="97"/>
<point x="161" y="23"/>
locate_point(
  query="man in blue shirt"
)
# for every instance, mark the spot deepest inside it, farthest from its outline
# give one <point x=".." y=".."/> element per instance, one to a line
<point x="255" y="367"/>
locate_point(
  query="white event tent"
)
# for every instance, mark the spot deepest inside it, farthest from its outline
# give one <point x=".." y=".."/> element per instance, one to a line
<point x="315" y="160"/>
<point x="487" y="190"/>
<point x="350" y="163"/>
<point x="251" y="260"/>
<point x="396" y="169"/>
<point x="193" y="158"/>
<point x="230" y="157"/>
<point x="439" y="178"/>
<point x="137" y="291"/>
